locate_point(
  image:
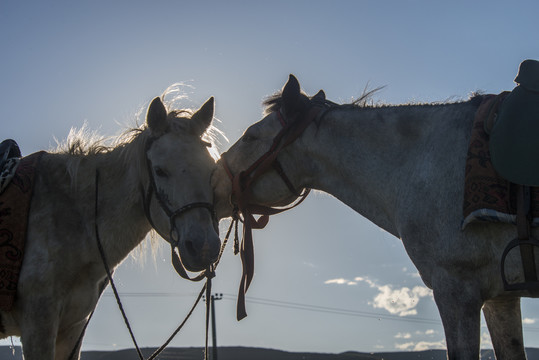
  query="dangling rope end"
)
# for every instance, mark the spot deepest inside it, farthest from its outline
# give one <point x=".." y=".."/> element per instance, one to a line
<point x="209" y="273"/>
<point x="235" y="221"/>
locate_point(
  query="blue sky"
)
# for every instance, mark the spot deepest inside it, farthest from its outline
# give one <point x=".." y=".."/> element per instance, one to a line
<point x="326" y="279"/>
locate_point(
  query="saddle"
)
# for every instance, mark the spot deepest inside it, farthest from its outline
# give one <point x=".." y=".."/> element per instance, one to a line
<point x="10" y="155"/>
<point x="514" y="151"/>
<point x="514" y="139"/>
<point x="8" y="150"/>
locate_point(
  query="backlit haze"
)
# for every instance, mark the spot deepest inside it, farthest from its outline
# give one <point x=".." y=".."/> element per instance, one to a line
<point x="327" y="280"/>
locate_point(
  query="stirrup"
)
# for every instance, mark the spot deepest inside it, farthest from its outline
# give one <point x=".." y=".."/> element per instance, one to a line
<point x="531" y="285"/>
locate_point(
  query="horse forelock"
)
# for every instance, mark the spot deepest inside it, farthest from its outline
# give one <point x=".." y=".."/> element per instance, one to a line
<point x="176" y="97"/>
<point x="274" y="102"/>
<point x="180" y="122"/>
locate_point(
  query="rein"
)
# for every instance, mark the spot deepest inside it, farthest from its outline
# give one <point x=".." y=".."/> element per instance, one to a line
<point x="242" y="192"/>
<point x="176" y="261"/>
<point x="208" y="274"/>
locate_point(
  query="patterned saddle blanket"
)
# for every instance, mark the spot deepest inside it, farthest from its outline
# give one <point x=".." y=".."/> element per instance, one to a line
<point x="15" y="198"/>
<point x="487" y="195"/>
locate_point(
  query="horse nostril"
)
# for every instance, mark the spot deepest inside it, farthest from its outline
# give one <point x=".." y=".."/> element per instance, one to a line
<point x="174" y="236"/>
<point x="190" y="247"/>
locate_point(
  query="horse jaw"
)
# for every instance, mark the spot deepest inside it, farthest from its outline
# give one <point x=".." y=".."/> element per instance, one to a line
<point x="222" y="192"/>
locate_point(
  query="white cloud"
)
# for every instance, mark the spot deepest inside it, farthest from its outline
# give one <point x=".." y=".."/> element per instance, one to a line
<point x="486" y="342"/>
<point x="340" y="281"/>
<point x="336" y="281"/>
<point x="401" y="301"/>
<point x="528" y="321"/>
<point x="428" y="345"/>
<point x="421" y="345"/>
<point x="366" y="280"/>
<point x="429" y="332"/>
<point x="405" y="346"/>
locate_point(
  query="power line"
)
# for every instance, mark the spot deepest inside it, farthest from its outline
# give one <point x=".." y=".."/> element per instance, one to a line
<point x="337" y="311"/>
<point x="305" y="307"/>
<point x="150" y="294"/>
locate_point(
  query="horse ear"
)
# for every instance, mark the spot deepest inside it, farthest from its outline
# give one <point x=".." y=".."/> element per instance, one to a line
<point x="319" y="97"/>
<point x="156" y="118"/>
<point x="290" y="95"/>
<point x="203" y="117"/>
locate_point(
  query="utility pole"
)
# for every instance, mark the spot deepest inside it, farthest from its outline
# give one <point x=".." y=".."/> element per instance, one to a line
<point x="213" y="330"/>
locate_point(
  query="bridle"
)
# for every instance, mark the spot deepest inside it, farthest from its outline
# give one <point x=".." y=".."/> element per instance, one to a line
<point x="176" y="261"/>
<point x="292" y="128"/>
<point x="172" y="215"/>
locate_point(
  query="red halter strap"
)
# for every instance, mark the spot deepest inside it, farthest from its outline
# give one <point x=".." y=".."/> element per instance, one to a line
<point x="242" y="192"/>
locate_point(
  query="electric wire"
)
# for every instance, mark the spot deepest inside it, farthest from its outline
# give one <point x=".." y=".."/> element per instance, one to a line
<point x="305" y="307"/>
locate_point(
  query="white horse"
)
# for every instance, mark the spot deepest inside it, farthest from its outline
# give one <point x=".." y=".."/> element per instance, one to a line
<point x="402" y="167"/>
<point x="160" y="176"/>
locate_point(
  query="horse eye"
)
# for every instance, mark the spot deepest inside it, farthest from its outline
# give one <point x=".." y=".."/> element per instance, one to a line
<point x="160" y="172"/>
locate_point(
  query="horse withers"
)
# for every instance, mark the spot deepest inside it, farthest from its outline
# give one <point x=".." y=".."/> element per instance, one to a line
<point x="403" y="168"/>
<point x="159" y="176"/>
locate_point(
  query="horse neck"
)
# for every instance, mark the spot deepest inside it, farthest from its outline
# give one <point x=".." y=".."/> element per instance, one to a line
<point x="121" y="218"/>
<point x="376" y="159"/>
<point x="113" y="201"/>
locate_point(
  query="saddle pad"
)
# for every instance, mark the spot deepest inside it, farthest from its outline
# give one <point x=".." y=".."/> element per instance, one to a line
<point x="14" y="210"/>
<point x="488" y="196"/>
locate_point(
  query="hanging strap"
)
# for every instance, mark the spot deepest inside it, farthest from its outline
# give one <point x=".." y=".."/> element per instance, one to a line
<point x="523" y="227"/>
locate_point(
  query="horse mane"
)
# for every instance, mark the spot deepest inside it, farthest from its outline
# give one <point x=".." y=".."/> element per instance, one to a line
<point x="130" y="145"/>
<point x="364" y="101"/>
<point x="83" y="142"/>
<point x="275" y="101"/>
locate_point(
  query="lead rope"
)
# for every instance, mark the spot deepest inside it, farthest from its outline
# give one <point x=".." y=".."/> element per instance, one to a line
<point x="160" y="350"/>
<point x="107" y="269"/>
<point x="210" y="273"/>
<point x="208" y="309"/>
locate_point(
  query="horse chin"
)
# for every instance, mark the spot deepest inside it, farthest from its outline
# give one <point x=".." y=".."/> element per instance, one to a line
<point x="196" y="258"/>
<point x="265" y="193"/>
<point x="189" y="266"/>
<point x="284" y="201"/>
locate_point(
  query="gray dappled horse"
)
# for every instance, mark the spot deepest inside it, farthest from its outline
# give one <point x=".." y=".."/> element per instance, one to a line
<point x="160" y="175"/>
<point x="402" y="167"/>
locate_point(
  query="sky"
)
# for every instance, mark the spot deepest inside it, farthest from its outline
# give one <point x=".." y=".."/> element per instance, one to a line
<point x="327" y="280"/>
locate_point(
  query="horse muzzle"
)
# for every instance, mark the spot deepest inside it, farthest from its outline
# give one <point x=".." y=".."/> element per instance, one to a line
<point x="198" y="251"/>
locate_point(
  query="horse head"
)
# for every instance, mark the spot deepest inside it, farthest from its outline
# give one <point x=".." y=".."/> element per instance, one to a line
<point x="178" y="195"/>
<point x="264" y="160"/>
